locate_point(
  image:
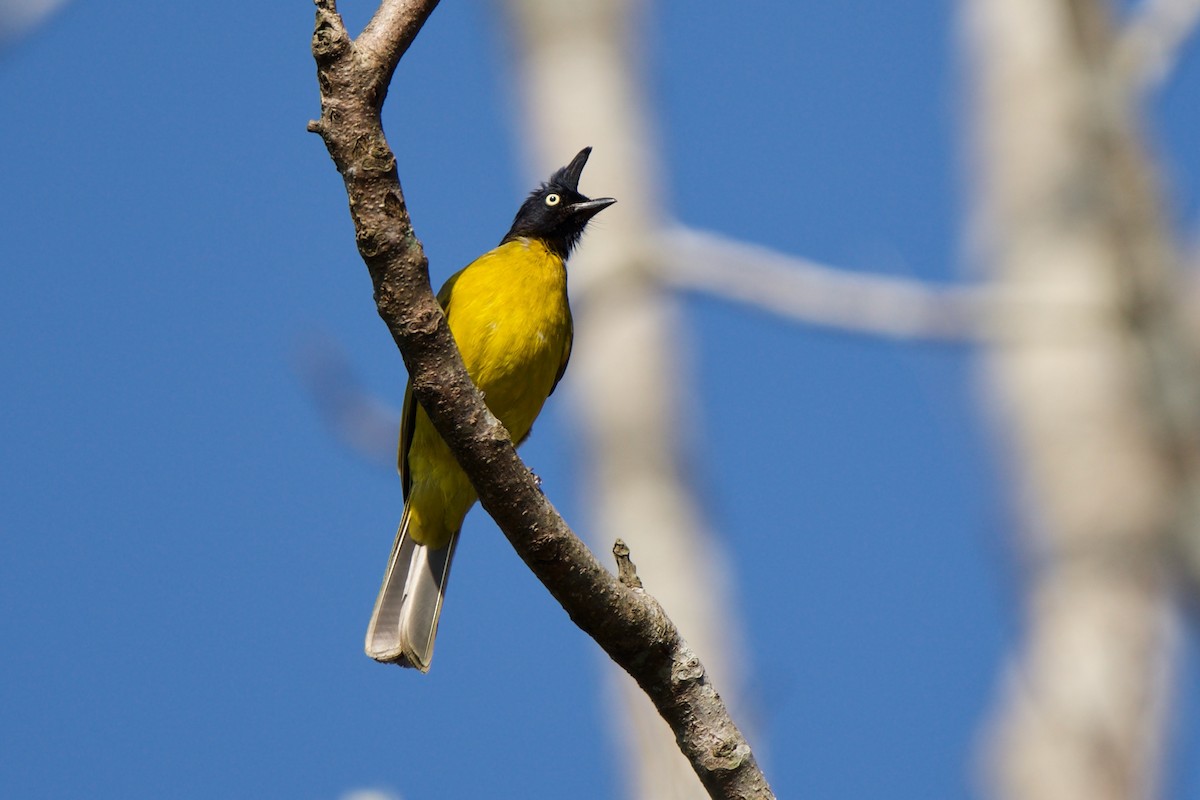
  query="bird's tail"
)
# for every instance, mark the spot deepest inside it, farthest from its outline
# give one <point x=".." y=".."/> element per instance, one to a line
<point x="404" y="622"/>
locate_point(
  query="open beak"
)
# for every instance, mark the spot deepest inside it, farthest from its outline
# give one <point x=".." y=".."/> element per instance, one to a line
<point x="586" y="209"/>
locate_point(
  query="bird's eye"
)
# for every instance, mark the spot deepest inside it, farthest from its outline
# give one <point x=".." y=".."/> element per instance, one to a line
<point x="552" y="200"/>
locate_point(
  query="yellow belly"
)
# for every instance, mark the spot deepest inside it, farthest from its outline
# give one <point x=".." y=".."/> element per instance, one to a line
<point x="509" y="315"/>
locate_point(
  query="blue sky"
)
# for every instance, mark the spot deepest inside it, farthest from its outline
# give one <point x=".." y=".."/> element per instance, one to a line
<point x="190" y="557"/>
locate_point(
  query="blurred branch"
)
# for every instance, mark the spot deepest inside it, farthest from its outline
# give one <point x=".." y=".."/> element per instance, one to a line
<point x="1101" y="425"/>
<point x="1149" y="46"/>
<point x="360" y="420"/>
<point x="868" y="304"/>
<point x="628" y="624"/>
<point x="19" y="18"/>
<point x="815" y="294"/>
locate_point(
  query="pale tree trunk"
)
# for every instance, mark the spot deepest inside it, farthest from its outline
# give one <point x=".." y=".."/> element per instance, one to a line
<point x="579" y="70"/>
<point x="1093" y="391"/>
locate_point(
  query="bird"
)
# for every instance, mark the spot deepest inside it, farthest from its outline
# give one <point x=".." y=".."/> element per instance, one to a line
<point x="509" y="315"/>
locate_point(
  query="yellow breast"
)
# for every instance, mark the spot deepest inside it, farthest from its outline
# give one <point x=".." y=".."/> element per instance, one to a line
<point x="509" y="315"/>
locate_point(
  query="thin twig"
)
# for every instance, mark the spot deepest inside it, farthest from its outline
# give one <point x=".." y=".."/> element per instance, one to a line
<point x="626" y="569"/>
<point x="630" y="626"/>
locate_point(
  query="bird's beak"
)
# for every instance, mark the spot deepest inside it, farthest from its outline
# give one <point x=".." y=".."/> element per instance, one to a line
<point x="586" y="209"/>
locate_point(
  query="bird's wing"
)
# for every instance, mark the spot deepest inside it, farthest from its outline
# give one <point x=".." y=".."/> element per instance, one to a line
<point x="408" y="422"/>
<point x="566" y="355"/>
<point x="408" y="416"/>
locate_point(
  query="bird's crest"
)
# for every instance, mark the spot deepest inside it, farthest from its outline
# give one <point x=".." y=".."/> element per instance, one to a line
<point x="556" y="213"/>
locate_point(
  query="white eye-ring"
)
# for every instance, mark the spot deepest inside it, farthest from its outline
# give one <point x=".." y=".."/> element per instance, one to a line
<point x="552" y="200"/>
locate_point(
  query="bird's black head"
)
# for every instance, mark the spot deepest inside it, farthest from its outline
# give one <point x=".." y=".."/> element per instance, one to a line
<point x="556" y="213"/>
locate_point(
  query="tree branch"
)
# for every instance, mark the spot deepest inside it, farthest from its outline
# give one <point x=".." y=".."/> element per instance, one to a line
<point x="629" y="625"/>
<point x="816" y="294"/>
<point x="997" y="313"/>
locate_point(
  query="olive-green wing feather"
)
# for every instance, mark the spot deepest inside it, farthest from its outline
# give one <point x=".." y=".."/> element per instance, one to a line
<point x="408" y="421"/>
